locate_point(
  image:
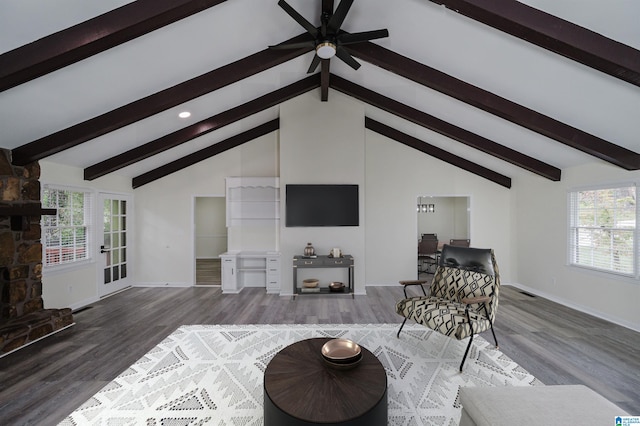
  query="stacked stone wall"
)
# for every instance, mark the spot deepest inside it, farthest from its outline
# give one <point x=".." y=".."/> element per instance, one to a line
<point x="23" y="318"/>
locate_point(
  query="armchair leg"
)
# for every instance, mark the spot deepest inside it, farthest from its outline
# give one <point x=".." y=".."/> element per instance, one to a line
<point x="398" y="335"/>
<point x="494" y="336"/>
<point x="491" y="324"/>
<point x="466" y="352"/>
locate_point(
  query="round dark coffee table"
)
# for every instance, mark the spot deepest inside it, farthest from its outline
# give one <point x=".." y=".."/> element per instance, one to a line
<point x="301" y="389"/>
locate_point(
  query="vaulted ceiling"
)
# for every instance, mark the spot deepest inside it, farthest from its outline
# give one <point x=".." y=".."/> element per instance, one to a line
<point x="541" y="85"/>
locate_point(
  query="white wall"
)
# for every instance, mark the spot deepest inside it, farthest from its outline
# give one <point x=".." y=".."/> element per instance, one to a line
<point x="323" y="142"/>
<point x="75" y="287"/>
<point x="541" y="230"/>
<point x="307" y="150"/>
<point x="164" y="211"/>
<point x="326" y="142"/>
<point x="396" y="175"/>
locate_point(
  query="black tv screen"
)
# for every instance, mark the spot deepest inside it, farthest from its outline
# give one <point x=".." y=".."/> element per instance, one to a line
<point x="322" y="205"/>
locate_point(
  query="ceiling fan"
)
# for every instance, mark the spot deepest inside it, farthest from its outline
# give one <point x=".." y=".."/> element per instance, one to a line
<point x="328" y="39"/>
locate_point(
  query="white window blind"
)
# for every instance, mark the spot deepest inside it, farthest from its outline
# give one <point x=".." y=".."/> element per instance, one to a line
<point x="66" y="235"/>
<point x="602" y="229"/>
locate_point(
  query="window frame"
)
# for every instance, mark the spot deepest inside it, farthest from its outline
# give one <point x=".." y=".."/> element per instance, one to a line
<point x="88" y="225"/>
<point x="572" y="217"/>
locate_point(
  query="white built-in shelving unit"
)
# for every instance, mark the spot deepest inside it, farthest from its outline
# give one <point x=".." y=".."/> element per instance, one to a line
<point x="252" y="200"/>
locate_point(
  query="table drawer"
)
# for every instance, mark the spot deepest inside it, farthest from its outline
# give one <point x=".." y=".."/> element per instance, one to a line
<point x="308" y="262"/>
<point x="339" y="261"/>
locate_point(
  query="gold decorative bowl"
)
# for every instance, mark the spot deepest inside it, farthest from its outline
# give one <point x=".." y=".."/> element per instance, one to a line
<point x="310" y="282"/>
<point x="341" y="351"/>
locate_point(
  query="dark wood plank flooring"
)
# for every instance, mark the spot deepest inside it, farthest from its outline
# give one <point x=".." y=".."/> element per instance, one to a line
<point x="208" y="272"/>
<point x="42" y="383"/>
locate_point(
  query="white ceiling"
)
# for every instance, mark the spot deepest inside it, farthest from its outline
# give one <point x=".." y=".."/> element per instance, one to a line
<point x="419" y="29"/>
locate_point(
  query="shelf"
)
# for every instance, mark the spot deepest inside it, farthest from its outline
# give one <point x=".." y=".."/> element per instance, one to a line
<point x="252" y="269"/>
<point x="323" y="290"/>
<point x="19" y="214"/>
<point x="29" y="209"/>
<point x="252" y="201"/>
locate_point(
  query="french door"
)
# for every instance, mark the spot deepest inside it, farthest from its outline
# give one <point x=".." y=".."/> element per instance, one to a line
<point x="114" y="242"/>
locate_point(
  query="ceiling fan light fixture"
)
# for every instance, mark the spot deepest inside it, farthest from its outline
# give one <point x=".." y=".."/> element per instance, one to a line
<point x="326" y="50"/>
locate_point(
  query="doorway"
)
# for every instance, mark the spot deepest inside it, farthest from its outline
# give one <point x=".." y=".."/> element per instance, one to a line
<point x="210" y="236"/>
<point x="114" y="242"/>
<point x="448" y="217"/>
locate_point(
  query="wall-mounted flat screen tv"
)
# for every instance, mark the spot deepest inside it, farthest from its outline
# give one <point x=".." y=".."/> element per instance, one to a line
<point x="321" y="205"/>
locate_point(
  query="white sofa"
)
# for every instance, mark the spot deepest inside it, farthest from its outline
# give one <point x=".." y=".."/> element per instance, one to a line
<point x="536" y="405"/>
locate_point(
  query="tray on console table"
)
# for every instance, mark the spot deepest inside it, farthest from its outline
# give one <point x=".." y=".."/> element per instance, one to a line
<point x="299" y="262"/>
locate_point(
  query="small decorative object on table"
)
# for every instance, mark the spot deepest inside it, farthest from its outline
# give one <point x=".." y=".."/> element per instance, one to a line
<point x="310" y="282"/>
<point x="342" y="354"/>
<point x="309" y="250"/>
<point x="336" y="287"/>
<point x="335" y="252"/>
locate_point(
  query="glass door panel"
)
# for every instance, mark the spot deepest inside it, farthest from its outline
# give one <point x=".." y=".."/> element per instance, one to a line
<point x="113" y="243"/>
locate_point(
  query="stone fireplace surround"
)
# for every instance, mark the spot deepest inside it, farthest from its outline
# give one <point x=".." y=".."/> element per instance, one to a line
<point x="23" y="318"/>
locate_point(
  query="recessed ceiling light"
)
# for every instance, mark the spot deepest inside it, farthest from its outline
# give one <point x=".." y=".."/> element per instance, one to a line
<point x="184" y="114"/>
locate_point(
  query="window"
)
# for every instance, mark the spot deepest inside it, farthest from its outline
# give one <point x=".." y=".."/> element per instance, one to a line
<point x="602" y="229"/>
<point x="66" y="236"/>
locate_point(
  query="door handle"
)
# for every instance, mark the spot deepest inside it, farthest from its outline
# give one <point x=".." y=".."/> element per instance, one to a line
<point x="104" y="249"/>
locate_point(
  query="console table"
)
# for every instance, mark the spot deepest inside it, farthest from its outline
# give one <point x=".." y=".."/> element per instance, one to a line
<point x="346" y="261"/>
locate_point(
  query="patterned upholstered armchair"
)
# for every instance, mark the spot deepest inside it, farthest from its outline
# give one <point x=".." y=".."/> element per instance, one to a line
<point x="463" y="296"/>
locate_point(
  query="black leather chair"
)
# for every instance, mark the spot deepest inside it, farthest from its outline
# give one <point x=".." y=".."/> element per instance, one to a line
<point x="463" y="296"/>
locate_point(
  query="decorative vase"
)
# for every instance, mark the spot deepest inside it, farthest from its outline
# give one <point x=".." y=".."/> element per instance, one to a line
<point x="309" y="250"/>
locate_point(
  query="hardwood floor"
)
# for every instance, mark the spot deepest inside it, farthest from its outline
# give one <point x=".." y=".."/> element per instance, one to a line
<point x="208" y="272"/>
<point x="44" y="382"/>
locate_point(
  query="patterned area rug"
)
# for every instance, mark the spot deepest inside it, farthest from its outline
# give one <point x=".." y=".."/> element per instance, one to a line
<point x="213" y="375"/>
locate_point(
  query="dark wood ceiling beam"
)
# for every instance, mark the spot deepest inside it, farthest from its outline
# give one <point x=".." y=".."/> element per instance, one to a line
<point x="437" y="125"/>
<point x="557" y="35"/>
<point x="327" y="7"/>
<point x="96" y="35"/>
<point x="494" y="104"/>
<point x="436" y="152"/>
<point x="153" y="104"/>
<point x="201" y="128"/>
<point x="205" y="153"/>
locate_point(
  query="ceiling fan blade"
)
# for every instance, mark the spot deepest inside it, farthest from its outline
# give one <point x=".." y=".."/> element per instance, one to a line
<point x="347" y="38"/>
<point x="310" y="44"/>
<point x="299" y="18"/>
<point x="314" y="64"/>
<point x="347" y="58"/>
<point x="338" y="16"/>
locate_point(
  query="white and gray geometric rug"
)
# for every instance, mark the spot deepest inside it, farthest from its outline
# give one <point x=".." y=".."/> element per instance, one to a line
<point x="213" y="375"/>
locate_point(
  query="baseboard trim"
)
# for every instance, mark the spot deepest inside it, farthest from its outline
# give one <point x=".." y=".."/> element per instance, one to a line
<point x="162" y="284"/>
<point x="84" y="303"/>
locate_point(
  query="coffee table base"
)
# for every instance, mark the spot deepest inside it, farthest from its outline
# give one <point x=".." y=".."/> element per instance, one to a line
<point x="273" y="416"/>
